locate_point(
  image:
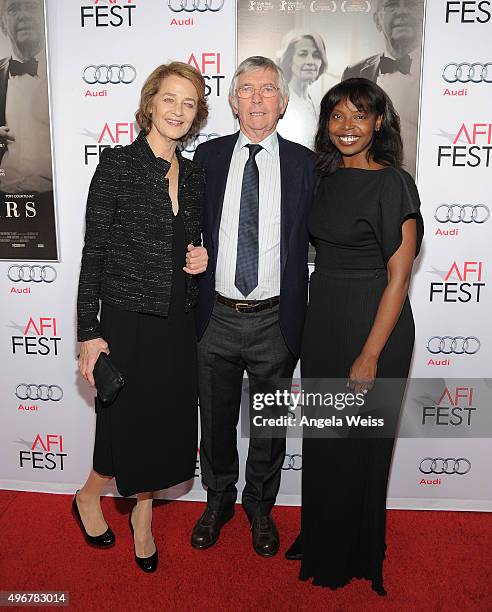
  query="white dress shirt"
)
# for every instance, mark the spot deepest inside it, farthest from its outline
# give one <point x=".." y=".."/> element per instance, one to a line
<point x="268" y="162"/>
<point x="27" y="161"/>
<point x="404" y="89"/>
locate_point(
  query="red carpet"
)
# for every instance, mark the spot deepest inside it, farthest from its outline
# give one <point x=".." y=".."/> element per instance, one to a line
<point x="436" y="561"/>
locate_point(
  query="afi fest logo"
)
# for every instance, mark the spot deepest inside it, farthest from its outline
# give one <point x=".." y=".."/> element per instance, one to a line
<point x="109" y="13"/>
<point x="39" y="337"/>
<point x="466" y="11"/>
<point x="208" y="64"/>
<point x="463" y="282"/>
<point x="453" y="409"/>
<point x="476" y="150"/>
<point x="116" y="134"/>
<point x="45" y="453"/>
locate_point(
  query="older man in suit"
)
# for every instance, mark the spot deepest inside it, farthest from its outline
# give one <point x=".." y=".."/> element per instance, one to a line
<point x="253" y="295"/>
<point x="397" y="69"/>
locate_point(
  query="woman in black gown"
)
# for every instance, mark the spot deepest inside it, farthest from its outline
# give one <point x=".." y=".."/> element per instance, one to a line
<point x="141" y="252"/>
<point x="367" y="230"/>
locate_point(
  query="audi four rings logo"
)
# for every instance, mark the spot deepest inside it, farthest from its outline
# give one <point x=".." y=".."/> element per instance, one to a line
<point x="292" y="462"/>
<point x="31" y="274"/>
<point x="448" y="465"/>
<point x="462" y="213"/>
<point x="41" y="393"/>
<point x="458" y="345"/>
<point x="201" y="6"/>
<point x="198" y="139"/>
<point x="109" y="73"/>
<point x="467" y="73"/>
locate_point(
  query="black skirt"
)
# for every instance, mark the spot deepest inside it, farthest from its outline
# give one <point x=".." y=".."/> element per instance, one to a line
<point x="345" y="480"/>
<point x="147" y="438"/>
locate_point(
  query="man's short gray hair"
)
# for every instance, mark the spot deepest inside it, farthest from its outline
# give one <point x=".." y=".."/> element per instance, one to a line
<point x="258" y="62"/>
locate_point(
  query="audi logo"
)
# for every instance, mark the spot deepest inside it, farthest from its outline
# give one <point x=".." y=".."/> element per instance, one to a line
<point x="448" y="465"/>
<point x="467" y="73"/>
<point x="109" y="73"/>
<point x="458" y="345"/>
<point x="292" y="462"/>
<point x="191" y="146"/>
<point x="462" y="213"/>
<point x="31" y="274"/>
<point x="201" y="6"/>
<point x="41" y="393"/>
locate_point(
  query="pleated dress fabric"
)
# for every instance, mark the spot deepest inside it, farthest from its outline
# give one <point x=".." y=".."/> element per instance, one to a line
<point x="147" y="438"/>
<point x="355" y="224"/>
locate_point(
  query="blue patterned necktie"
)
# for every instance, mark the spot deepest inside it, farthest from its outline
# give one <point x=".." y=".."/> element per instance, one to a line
<point x="247" y="238"/>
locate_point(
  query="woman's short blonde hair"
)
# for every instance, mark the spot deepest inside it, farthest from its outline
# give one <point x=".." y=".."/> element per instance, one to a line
<point x="151" y="86"/>
<point x="286" y="54"/>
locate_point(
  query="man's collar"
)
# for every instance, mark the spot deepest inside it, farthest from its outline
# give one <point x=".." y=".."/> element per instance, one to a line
<point x="413" y="54"/>
<point x="270" y="143"/>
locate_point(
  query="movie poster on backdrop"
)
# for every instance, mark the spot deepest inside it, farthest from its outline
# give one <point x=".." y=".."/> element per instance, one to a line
<point x="27" y="206"/>
<point x="318" y="43"/>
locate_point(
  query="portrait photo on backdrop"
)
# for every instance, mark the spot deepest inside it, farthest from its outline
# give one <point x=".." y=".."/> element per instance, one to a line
<point x="319" y="47"/>
<point x="28" y="224"/>
<point x="244" y="277"/>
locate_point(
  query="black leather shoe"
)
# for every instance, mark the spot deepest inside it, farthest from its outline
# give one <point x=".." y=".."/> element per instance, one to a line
<point x="147" y="564"/>
<point x="206" y="532"/>
<point x="295" y="551"/>
<point x="266" y="540"/>
<point x="105" y="540"/>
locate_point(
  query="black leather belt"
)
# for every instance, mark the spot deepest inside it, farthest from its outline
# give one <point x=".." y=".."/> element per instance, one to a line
<point x="247" y="307"/>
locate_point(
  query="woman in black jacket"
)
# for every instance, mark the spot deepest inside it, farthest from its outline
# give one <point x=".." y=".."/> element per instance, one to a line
<point x="140" y="258"/>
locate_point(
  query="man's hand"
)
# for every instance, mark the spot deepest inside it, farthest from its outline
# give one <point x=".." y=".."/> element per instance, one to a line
<point x="5" y="136"/>
<point x="196" y="260"/>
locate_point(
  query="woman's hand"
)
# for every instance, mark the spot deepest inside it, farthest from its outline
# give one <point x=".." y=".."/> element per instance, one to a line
<point x="363" y="374"/>
<point x="196" y="260"/>
<point x="89" y="352"/>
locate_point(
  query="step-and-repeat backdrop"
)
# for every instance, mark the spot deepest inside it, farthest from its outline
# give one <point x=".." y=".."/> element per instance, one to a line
<point x="93" y="56"/>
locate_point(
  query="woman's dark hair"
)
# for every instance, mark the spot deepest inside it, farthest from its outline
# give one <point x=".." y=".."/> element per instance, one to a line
<point x="386" y="148"/>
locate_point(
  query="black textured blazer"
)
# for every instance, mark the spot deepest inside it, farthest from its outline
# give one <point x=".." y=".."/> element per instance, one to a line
<point x="127" y="255"/>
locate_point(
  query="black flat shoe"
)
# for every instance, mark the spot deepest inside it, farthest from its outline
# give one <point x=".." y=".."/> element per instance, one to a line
<point x="294" y="553"/>
<point x="147" y="564"/>
<point x="105" y="540"/>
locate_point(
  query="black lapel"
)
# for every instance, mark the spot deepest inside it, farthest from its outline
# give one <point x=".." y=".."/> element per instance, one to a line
<point x="371" y="69"/>
<point x="217" y="180"/>
<point x="290" y="181"/>
<point x="4" y="80"/>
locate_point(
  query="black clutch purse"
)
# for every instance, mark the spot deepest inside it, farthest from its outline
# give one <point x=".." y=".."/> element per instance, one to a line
<point x="108" y="379"/>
